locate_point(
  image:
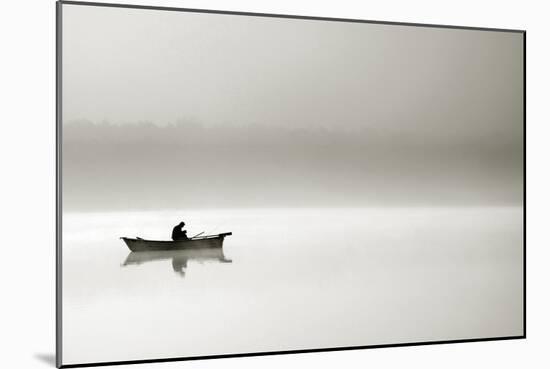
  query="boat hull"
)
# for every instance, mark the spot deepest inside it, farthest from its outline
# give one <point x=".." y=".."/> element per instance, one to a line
<point x="138" y="244"/>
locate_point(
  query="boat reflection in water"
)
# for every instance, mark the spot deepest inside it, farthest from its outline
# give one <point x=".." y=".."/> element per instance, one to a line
<point x="180" y="258"/>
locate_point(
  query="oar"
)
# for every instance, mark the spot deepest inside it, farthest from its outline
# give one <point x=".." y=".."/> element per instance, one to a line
<point x="198" y="234"/>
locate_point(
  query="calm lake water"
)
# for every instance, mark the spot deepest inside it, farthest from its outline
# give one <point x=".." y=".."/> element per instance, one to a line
<point x="289" y="279"/>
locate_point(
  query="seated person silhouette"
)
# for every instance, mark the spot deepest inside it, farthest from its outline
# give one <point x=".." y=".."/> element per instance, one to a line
<point x="178" y="233"/>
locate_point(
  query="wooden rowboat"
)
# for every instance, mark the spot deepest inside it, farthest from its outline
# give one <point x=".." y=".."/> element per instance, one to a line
<point x="212" y="241"/>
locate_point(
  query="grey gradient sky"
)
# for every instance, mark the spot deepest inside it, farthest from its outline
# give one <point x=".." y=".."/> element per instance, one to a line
<point x="430" y="104"/>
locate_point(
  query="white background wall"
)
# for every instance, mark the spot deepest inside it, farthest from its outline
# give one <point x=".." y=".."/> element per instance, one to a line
<point x="27" y="203"/>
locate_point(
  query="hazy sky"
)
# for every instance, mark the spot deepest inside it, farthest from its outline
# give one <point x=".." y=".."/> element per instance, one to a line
<point x="133" y="65"/>
<point x="383" y="113"/>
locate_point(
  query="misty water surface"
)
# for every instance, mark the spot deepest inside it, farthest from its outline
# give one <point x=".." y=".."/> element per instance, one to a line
<point x="290" y="279"/>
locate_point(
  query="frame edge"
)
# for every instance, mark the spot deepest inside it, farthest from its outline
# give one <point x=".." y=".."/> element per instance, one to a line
<point x="287" y="16"/>
<point x="58" y="209"/>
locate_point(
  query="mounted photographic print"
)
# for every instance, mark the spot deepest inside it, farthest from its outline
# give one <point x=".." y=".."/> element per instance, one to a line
<point x="239" y="184"/>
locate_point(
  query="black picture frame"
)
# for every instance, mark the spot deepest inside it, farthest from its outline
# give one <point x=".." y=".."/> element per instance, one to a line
<point x="58" y="215"/>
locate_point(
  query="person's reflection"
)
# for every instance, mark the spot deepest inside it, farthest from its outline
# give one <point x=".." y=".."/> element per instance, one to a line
<point x="179" y="258"/>
<point x="179" y="265"/>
